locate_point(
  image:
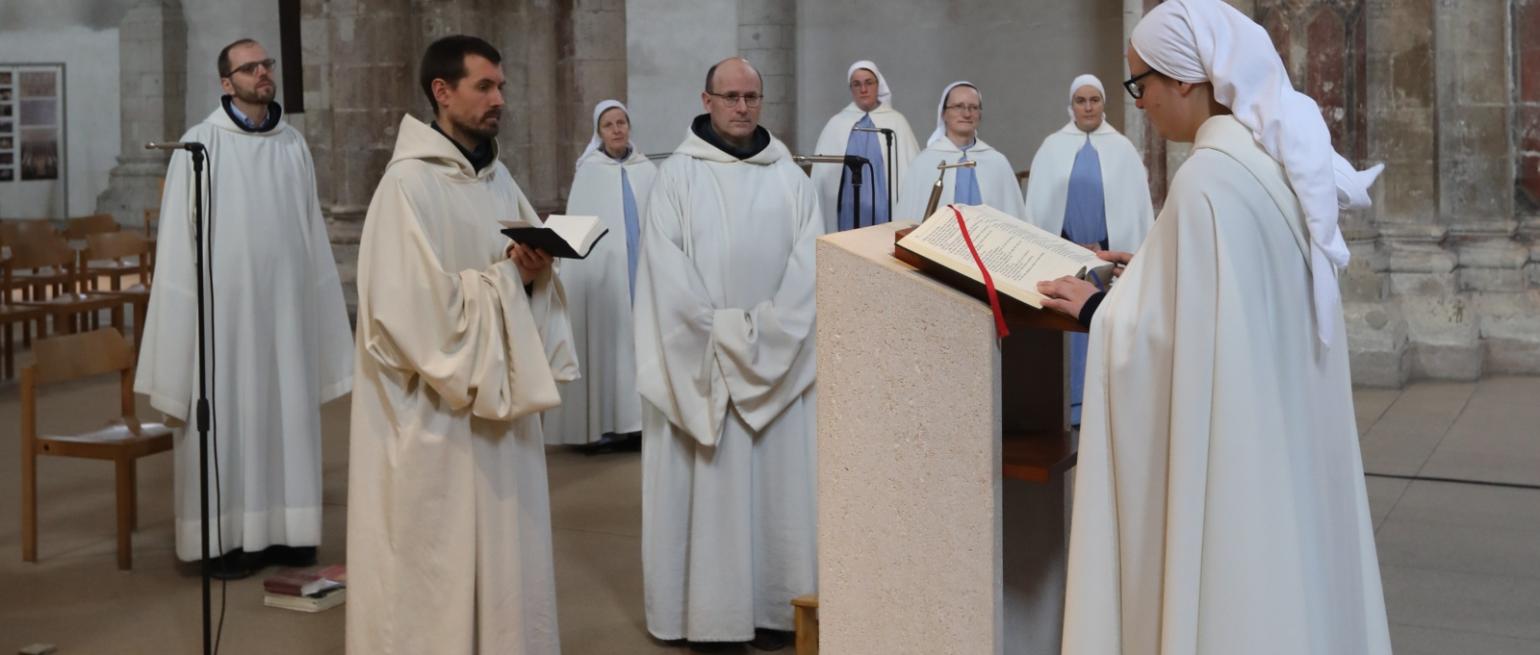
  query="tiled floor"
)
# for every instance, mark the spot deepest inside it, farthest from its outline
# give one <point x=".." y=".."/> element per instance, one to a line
<point x="1461" y="562"/>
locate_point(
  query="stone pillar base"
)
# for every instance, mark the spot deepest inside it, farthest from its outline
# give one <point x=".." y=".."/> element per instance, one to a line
<point x="134" y="185"/>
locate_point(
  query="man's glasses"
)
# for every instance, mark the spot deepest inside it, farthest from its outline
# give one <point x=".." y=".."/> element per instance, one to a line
<point x="750" y="100"/>
<point x="250" y="68"/>
<point x="1133" y="86"/>
<point x="965" y="109"/>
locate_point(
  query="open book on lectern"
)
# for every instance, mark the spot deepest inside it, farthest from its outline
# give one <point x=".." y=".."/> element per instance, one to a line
<point x="1017" y="253"/>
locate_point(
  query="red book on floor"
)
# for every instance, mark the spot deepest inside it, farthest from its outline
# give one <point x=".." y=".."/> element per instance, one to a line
<point x="298" y="582"/>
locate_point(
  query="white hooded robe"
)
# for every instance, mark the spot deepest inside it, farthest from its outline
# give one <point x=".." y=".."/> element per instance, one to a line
<point x="449" y="527"/>
<point x="997" y="180"/>
<point x="1219" y="501"/>
<point x="604" y="399"/>
<point x="833" y="141"/>
<point x="278" y="330"/>
<point x="725" y="363"/>
<point x="1125" y="184"/>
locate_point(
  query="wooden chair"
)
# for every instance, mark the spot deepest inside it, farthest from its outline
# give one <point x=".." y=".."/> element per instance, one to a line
<point x="131" y="252"/>
<point x="10" y="315"/>
<point x="151" y="234"/>
<point x="122" y="441"/>
<point x="35" y="283"/>
<point x="77" y="230"/>
<point x="71" y="308"/>
<point x="805" y="617"/>
<point x="80" y="228"/>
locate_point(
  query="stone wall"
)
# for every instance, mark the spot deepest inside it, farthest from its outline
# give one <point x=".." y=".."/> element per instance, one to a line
<point x="361" y="56"/>
<point x="1445" y="279"/>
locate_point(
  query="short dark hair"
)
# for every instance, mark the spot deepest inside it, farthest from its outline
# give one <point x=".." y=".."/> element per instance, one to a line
<point x="712" y="73"/>
<point x="224" y="55"/>
<point x="445" y="60"/>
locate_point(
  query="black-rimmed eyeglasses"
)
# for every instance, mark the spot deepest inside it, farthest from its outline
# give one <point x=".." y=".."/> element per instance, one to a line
<point x="1133" y="86"/>
<point x="250" y="68"/>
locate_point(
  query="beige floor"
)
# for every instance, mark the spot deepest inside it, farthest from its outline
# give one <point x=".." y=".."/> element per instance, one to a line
<point x="1461" y="562"/>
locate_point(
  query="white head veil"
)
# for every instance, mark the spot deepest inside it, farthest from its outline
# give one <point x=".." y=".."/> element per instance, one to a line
<point x="884" y="94"/>
<point x="1084" y="80"/>
<point x="1209" y="41"/>
<point x="594" y="143"/>
<point x="940" y="132"/>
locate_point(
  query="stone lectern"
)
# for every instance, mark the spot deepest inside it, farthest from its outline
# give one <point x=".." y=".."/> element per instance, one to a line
<point x="942" y="524"/>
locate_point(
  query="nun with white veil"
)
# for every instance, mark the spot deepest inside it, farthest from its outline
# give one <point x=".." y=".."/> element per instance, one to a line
<point x="991" y="181"/>
<point x="602" y="409"/>
<point x="870" y="108"/>
<point x="1219" y="502"/>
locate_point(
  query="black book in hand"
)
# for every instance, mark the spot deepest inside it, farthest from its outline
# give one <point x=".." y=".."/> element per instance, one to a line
<point x="570" y="237"/>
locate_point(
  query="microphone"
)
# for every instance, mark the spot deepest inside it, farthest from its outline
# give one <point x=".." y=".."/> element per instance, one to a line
<point x="935" y="189"/>
<point x="174" y="145"/>
<point x="852" y="162"/>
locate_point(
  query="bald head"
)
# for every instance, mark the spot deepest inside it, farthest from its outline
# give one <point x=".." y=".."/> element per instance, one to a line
<point x="732" y="66"/>
<point x="734" y="91"/>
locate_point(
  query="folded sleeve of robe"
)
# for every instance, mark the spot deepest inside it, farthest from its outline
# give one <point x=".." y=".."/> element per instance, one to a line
<point x="334" y="365"/>
<point x="694" y="357"/>
<point x="471" y="335"/>
<point x="165" y="373"/>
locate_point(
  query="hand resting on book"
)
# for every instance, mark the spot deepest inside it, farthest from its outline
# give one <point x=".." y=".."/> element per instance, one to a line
<point x="1069" y="294"/>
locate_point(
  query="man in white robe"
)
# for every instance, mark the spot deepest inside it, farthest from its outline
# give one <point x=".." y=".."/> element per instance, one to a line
<point x="1219" y="501"/>
<point x="277" y="327"/>
<point x="1090" y="186"/>
<point x="871" y="107"/>
<point x="991" y="181"/>
<point x="725" y="362"/>
<point x="461" y="341"/>
<point x="601" y="410"/>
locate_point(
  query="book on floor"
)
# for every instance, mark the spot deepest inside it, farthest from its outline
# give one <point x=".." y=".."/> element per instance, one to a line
<point x="570" y="237"/>
<point x="306" y="582"/>
<point x="316" y="603"/>
<point x="1018" y="254"/>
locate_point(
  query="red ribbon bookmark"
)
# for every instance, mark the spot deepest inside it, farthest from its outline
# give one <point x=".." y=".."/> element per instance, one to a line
<point x="989" y="283"/>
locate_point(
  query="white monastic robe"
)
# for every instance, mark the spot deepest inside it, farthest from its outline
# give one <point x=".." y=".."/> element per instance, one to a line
<point x="1219" y="499"/>
<point x="604" y="399"/>
<point x="1125" y="184"/>
<point x="833" y="141"/>
<point x="449" y="527"/>
<point x="725" y="362"/>
<point x="997" y="180"/>
<point x="278" y="332"/>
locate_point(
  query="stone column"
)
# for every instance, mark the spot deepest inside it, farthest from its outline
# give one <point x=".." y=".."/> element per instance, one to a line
<point x="596" y="63"/>
<point x="1136" y="126"/>
<point x="767" y="37"/>
<point x="1526" y="53"/>
<point x="1475" y="185"/>
<point x="152" y="61"/>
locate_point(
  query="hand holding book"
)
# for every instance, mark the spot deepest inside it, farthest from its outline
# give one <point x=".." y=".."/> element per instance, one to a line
<point x="570" y="237"/>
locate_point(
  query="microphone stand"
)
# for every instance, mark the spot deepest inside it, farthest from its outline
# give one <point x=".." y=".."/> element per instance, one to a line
<point x="852" y="164"/>
<point x="935" y="189"/>
<point x="203" y="397"/>
<point x="197" y="151"/>
<point x="888" y="136"/>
